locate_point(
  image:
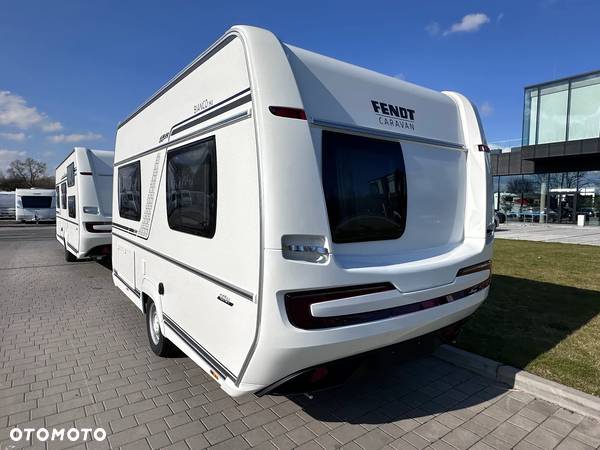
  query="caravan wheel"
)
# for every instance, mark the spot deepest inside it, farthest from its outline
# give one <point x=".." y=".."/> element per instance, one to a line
<point x="158" y="343"/>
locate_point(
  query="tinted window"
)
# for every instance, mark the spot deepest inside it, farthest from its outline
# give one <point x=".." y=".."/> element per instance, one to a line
<point x="192" y="188"/>
<point x="57" y="197"/>
<point x="71" y="203"/>
<point x="130" y="205"/>
<point x="63" y="196"/>
<point x="71" y="174"/>
<point x="365" y="187"/>
<point x="36" y="201"/>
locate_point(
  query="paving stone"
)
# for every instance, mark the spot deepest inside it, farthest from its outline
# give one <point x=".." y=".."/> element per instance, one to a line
<point x="432" y="430"/>
<point x="374" y="439"/>
<point x="543" y="438"/>
<point x="461" y="438"/>
<point x="558" y="426"/>
<point x="347" y="433"/>
<point x="185" y="431"/>
<point x="411" y="438"/>
<point x="300" y="435"/>
<point x="573" y="444"/>
<point x="217" y="435"/>
<point x="256" y="436"/>
<point x="509" y="433"/>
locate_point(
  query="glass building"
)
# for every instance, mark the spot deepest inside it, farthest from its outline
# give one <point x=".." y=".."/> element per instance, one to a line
<point x="554" y="175"/>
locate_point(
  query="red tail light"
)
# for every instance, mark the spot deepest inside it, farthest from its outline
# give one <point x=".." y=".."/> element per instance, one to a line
<point x="290" y="113"/>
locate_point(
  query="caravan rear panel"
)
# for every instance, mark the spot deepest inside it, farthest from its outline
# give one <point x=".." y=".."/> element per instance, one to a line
<point x="35" y="205"/>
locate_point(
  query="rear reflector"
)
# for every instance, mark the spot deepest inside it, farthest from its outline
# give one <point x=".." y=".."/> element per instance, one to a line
<point x="290" y="113"/>
<point x="486" y="265"/>
<point x="483" y="148"/>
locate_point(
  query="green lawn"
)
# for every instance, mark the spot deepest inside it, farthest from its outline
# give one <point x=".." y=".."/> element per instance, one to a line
<point x="543" y="312"/>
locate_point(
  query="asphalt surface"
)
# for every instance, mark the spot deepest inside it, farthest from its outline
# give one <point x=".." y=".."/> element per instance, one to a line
<point x="74" y="353"/>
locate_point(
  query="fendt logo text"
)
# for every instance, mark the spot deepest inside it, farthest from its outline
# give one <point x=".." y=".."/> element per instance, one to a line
<point x="393" y="115"/>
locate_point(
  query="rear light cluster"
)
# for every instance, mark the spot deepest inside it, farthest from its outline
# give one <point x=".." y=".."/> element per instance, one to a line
<point x="297" y="305"/>
<point x="485" y="265"/>
<point x="290" y="113"/>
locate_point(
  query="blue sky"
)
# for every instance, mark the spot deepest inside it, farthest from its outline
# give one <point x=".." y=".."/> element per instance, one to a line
<point x="71" y="70"/>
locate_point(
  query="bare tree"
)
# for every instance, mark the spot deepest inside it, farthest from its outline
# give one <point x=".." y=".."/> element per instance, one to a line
<point x="27" y="172"/>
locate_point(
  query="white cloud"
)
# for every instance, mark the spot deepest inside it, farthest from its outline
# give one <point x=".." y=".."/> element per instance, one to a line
<point x="19" y="137"/>
<point x="52" y="127"/>
<point x="400" y="76"/>
<point x="8" y="156"/>
<point x="486" y="109"/>
<point x="74" y="138"/>
<point x="433" y="28"/>
<point x="14" y="111"/>
<point x="468" y="24"/>
<point x="500" y="17"/>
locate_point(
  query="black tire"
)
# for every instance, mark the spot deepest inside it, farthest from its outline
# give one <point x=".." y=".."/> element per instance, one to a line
<point x="70" y="257"/>
<point x="159" y="344"/>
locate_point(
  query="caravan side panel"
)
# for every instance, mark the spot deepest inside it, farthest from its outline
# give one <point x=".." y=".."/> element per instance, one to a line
<point x="210" y="283"/>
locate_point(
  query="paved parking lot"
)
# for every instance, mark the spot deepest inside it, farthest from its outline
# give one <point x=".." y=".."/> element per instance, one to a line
<point x="566" y="234"/>
<point x="74" y="353"/>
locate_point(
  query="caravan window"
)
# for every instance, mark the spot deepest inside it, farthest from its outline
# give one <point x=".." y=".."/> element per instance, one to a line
<point x="63" y="196"/>
<point x="71" y="175"/>
<point x="71" y="204"/>
<point x="130" y="186"/>
<point x="365" y="187"/>
<point x="36" y="201"/>
<point x="192" y="188"/>
<point x="57" y="198"/>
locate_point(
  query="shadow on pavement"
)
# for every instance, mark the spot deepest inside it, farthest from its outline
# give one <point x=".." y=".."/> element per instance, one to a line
<point x="400" y="391"/>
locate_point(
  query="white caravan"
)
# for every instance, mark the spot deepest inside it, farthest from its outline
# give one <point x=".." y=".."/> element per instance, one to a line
<point x="35" y="205"/>
<point x="276" y="210"/>
<point x="84" y="209"/>
<point x="7" y="205"/>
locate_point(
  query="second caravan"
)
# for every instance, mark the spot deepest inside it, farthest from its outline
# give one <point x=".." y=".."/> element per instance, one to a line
<point x="34" y="205"/>
<point x="276" y="211"/>
<point x="84" y="203"/>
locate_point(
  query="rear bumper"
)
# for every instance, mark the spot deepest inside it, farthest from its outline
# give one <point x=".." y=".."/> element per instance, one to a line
<point x="296" y="350"/>
<point x="336" y="372"/>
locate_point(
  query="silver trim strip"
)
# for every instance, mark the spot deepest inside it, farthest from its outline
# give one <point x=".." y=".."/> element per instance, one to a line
<point x="387" y="134"/>
<point x="228" y="121"/>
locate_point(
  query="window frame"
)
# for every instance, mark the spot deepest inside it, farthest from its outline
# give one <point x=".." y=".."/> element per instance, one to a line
<point x="57" y="198"/>
<point x="71" y="175"/>
<point x="63" y="195"/>
<point x="74" y="215"/>
<point x="328" y="192"/>
<point x="214" y="174"/>
<point x="139" y="171"/>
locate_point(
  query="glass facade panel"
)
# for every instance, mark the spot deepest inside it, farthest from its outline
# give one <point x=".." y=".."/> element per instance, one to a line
<point x="530" y="116"/>
<point x="549" y="197"/>
<point x="564" y="111"/>
<point x="552" y="125"/>
<point x="584" y="113"/>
